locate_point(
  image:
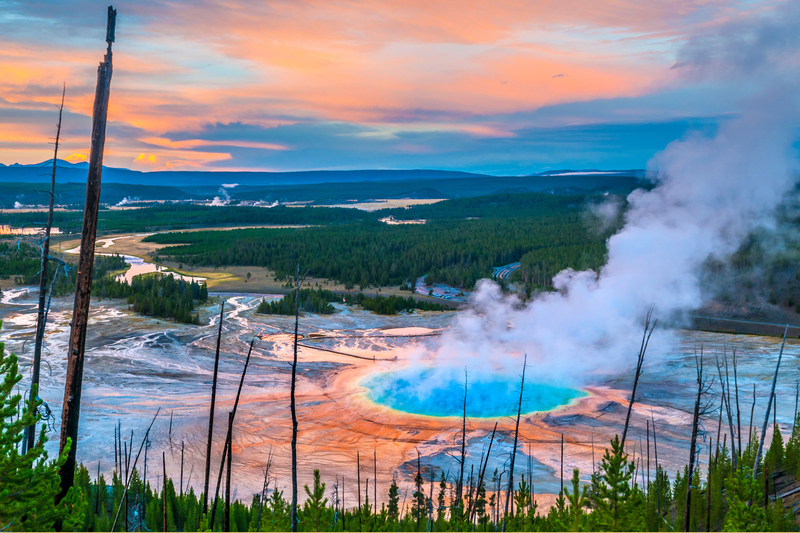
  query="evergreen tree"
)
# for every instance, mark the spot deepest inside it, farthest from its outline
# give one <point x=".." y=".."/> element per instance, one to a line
<point x="744" y="493"/>
<point x="614" y="500"/>
<point x="577" y="502"/>
<point x="394" y="501"/>
<point x="316" y="501"/>
<point x="29" y="482"/>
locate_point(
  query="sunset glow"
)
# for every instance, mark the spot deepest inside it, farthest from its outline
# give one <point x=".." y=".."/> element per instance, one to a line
<point x="482" y="86"/>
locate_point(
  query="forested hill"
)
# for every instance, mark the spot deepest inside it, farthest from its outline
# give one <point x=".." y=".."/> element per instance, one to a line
<point x="461" y="243"/>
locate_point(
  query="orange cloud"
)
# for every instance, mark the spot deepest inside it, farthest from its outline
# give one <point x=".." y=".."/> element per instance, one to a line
<point x="393" y="65"/>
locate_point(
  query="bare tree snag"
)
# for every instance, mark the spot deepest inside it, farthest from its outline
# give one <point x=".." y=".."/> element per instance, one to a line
<point x="460" y="486"/>
<point x="516" y="438"/>
<point x="708" y="487"/>
<point x="648" y="331"/>
<point x="181" y="469"/>
<point x="483" y="469"/>
<point x="358" y="485"/>
<point x="738" y="412"/>
<point x="769" y="405"/>
<point x="227" y="522"/>
<point x="229" y="436"/>
<point x="133" y="467"/>
<point x="164" y="492"/>
<point x="70" y="414"/>
<point x="211" y="411"/>
<point x="292" y="401"/>
<point x="702" y="388"/>
<point x="30" y="431"/>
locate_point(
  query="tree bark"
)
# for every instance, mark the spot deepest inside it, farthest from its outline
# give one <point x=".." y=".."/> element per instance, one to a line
<point x="211" y="411"/>
<point x="693" y="446"/>
<point x="516" y="437"/>
<point x="648" y="331"/>
<point x="164" y="492"/>
<point x="293" y="404"/>
<point x="227" y="522"/>
<point x="30" y="431"/>
<point x="769" y="405"/>
<point x="70" y="414"/>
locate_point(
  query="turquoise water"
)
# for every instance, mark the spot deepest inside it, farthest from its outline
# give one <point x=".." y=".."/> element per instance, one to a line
<point x="437" y="392"/>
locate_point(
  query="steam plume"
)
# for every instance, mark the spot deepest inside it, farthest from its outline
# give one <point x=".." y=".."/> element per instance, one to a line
<point x="709" y="194"/>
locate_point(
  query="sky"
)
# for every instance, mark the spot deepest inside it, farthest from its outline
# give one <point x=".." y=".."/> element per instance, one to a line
<point x="505" y="87"/>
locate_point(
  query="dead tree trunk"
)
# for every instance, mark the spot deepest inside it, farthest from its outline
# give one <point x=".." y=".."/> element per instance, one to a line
<point x="726" y="401"/>
<point x="738" y="412"/>
<point x="648" y="331"/>
<point x="658" y="474"/>
<point x="708" y="487"/>
<point x="128" y="478"/>
<point x="293" y="404"/>
<point x="30" y="431"/>
<point x="647" y="488"/>
<point x="358" y="486"/>
<point x="460" y="486"/>
<point x="483" y="470"/>
<point x="752" y="409"/>
<point x="796" y="398"/>
<point x="769" y="405"/>
<point x="164" y="492"/>
<point x="228" y="439"/>
<point x="375" y="480"/>
<point x="181" y="469"/>
<point x="227" y="521"/>
<point x="562" y="464"/>
<point x="702" y="387"/>
<point x="516" y="437"/>
<point x="70" y="414"/>
<point x="211" y="411"/>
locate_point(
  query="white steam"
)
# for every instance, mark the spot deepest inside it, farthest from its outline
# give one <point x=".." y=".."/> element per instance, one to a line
<point x="17" y="205"/>
<point x="127" y="200"/>
<point x="224" y="200"/>
<point x="709" y="194"/>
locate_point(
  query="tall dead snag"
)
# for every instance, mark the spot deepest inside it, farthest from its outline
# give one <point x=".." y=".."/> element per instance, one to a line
<point x="211" y="411"/>
<point x="227" y="522"/>
<point x="124" y="499"/>
<point x="70" y="414"/>
<point x="658" y="476"/>
<point x="181" y="469"/>
<point x="738" y="412"/>
<point x="226" y="451"/>
<point x="460" y="485"/>
<point x="293" y="404"/>
<point x="769" y="405"/>
<point x="164" y="493"/>
<point x="648" y="331"/>
<point x="474" y="508"/>
<point x="358" y="486"/>
<point x="516" y="438"/>
<point x="796" y="398"/>
<point x="752" y="410"/>
<point x="726" y="397"/>
<point x="702" y="388"/>
<point x="375" y="480"/>
<point x="708" y="487"/>
<point x="30" y="431"/>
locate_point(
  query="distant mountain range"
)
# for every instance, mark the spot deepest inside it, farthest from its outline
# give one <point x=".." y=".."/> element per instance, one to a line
<point x="22" y="184"/>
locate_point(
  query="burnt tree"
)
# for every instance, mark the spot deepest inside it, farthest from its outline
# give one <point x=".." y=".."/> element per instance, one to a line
<point x="70" y="413"/>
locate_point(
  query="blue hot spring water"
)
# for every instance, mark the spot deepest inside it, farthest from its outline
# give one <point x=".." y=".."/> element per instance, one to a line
<point x="440" y="392"/>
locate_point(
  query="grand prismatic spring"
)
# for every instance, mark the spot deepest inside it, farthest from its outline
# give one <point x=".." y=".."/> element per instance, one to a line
<point x="356" y="393"/>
